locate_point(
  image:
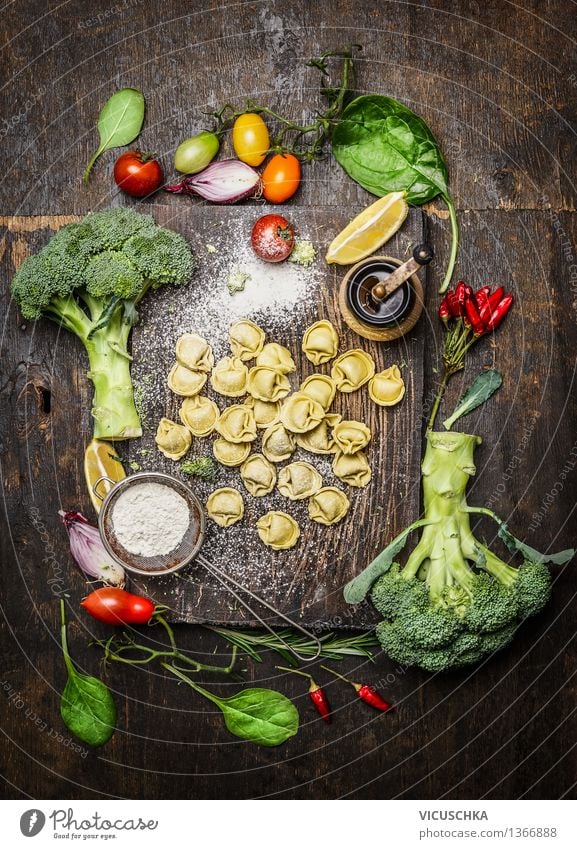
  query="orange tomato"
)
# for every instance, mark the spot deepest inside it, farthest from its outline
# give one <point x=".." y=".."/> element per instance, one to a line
<point x="281" y="177"/>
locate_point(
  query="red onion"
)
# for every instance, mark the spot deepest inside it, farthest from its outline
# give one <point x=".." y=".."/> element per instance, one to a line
<point x="222" y="182"/>
<point x="88" y="550"/>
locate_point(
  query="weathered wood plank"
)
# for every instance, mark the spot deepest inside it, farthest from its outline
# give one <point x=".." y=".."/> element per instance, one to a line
<point x="496" y="82"/>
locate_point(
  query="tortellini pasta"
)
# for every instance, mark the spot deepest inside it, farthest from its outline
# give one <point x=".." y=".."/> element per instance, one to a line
<point x="265" y="412"/>
<point x="199" y="414"/>
<point x="258" y="475"/>
<point x="278" y="357"/>
<point x="230" y="453"/>
<point x="387" y="387"/>
<point x="225" y="506"/>
<point x="352" y="370"/>
<point x="194" y="352"/>
<point x="299" y="413"/>
<point x="172" y="439"/>
<point x="278" y="530"/>
<point x="353" y="469"/>
<point x="267" y="384"/>
<point x="185" y="382"/>
<point x="321" y="388"/>
<point x="299" y="480"/>
<point x="229" y="377"/>
<point x="277" y="443"/>
<point x="246" y="339"/>
<point x="320" y="342"/>
<point x="319" y="440"/>
<point x="237" y="424"/>
<point x="351" y="436"/>
<point x="328" y="506"/>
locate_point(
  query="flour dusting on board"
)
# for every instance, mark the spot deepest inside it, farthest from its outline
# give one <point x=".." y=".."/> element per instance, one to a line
<point x="276" y="296"/>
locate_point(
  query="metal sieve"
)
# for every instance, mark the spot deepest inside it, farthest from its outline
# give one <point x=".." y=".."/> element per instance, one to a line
<point x="187" y="550"/>
<point x="160" y="564"/>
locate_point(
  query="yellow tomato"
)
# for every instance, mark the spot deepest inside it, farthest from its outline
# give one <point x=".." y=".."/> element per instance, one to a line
<point x="250" y="138"/>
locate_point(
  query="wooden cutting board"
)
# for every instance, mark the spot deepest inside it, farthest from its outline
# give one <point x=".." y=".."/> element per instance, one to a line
<point x="305" y="582"/>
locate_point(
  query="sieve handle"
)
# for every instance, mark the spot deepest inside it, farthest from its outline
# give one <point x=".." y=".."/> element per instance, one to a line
<point x="227" y="580"/>
<point x="97" y="482"/>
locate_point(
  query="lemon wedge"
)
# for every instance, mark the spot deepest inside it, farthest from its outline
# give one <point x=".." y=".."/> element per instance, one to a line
<point x="369" y="230"/>
<point x="100" y="459"/>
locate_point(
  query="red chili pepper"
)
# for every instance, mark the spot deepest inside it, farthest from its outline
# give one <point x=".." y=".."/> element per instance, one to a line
<point x="461" y="296"/>
<point x="482" y="296"/>
<point x="365" y="692"/>
<point x="475" y="320"/>
<point x="492" y="302"/>
<point x="499" y="313"/>
<point x="369" y="695"/>
<point x="453" y="305"/>
<point x="316" y="694"/>
<point x="444" y="312"/>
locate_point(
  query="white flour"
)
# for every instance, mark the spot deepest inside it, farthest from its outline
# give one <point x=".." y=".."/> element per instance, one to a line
<point x="150" y="519"/>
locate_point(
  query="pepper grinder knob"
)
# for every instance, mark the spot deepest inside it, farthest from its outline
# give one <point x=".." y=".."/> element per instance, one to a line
<point x="423" y="254"/>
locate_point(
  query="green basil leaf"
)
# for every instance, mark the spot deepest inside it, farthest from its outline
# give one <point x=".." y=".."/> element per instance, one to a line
<point x="482" y="388"/>
<point x="88" y="709"/>
<point x="385" y="147"/>
<point x="261" y="716"/>
<point x="119" y="122"/>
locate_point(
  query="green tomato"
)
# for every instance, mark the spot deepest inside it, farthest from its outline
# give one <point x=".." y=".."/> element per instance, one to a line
<point x="194" y="154"/>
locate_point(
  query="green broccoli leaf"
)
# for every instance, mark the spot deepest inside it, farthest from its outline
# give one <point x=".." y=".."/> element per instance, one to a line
<point x="482" y="388"/>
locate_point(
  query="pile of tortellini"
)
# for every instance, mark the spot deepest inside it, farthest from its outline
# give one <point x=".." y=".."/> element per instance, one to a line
<point x="286" y="418"/>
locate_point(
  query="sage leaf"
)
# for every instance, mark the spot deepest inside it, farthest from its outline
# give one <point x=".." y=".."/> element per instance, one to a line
<point x="385" y="147"/>
<point x="119" y="123"/>
<point x="86" y="703"/>
<point x="261" y="716"/>
<point x="482" y="388"/>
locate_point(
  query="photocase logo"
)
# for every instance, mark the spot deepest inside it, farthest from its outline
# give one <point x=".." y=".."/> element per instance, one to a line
<point x="32" y="822"/>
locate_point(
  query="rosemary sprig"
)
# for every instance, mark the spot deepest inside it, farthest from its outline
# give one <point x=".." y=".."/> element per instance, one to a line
<point x="305" y="141"/>
<point x="333" y="646"/>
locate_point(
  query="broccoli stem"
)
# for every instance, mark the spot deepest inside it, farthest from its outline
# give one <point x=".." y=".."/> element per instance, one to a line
<point x="113" y="407"/>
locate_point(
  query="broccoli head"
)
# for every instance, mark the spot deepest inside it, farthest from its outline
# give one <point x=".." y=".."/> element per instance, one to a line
<point x="455" y="601"/>
<point x="89" y="278"/>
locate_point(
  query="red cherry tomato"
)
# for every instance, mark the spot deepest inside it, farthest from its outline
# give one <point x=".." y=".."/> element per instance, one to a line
<point x="272" y="238"/>
<point x="138" y="174"/>
<point x="118" y="607"/>
<point x="281" y="177"/>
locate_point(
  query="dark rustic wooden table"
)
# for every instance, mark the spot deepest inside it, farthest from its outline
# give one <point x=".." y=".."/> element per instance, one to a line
<point x="497" y="81"/>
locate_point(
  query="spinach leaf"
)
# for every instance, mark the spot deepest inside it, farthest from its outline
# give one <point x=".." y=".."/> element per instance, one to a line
<point x="261" y="716"/>
<point x="482" y="388"/>
<point x="86" y="704"/>
<point x="120" y="121"/>
<point x="385" y="147"/>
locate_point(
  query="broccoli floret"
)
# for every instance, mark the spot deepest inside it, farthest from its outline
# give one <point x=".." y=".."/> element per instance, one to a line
<point x="112" y="274"/>
<point x="89" y="278"/>
<point x="391" y="593"/>
<point x="532" y="588"/>
<point x="201" y="467"/>
<point x="492" y="606"/>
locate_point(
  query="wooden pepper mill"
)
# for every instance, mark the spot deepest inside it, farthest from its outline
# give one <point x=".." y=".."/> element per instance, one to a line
<point x="381" y="298"/>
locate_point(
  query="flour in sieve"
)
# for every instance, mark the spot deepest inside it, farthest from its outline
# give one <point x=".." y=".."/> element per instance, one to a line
<point x="150" y="519"/>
